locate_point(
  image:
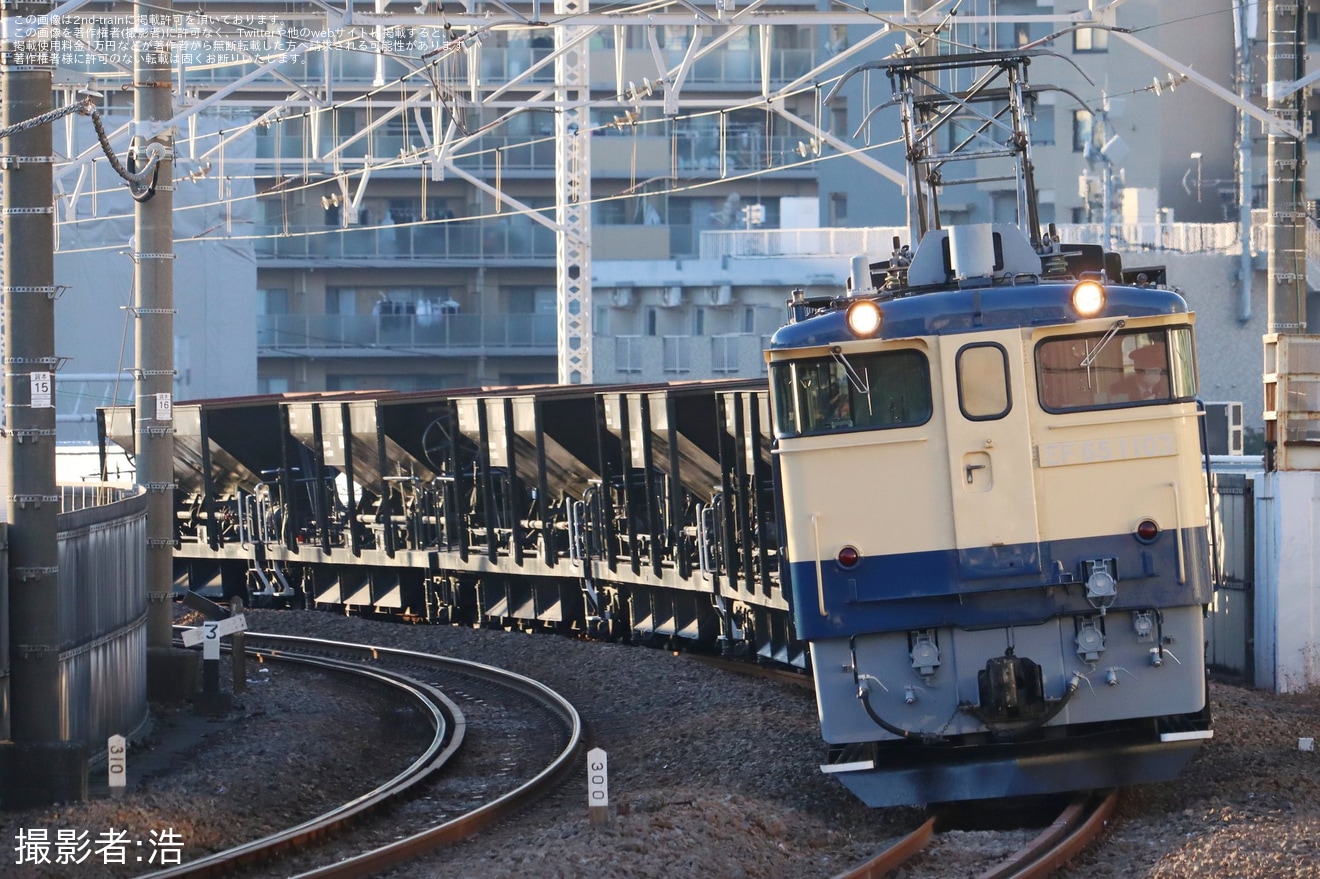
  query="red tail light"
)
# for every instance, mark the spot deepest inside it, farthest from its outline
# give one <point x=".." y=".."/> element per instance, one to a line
<point x="1147" y="530"/>
<point x="849" y="556"/>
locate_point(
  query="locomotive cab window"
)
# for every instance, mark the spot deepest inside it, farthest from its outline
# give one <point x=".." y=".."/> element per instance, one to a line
<point x="851" y="392"/>
<point x="983" y="393"/>
<point x="1113" y="369"/>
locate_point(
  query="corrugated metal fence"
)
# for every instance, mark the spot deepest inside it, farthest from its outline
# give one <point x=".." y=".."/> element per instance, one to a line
<point x="103" y="612"/>
<point x="1230" y="626"/>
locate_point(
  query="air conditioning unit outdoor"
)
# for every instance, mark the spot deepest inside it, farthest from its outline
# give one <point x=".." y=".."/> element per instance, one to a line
<point x="1223" y="428"/>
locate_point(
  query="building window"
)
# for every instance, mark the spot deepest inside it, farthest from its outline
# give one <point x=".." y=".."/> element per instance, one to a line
<point x="1003" y="207"/>
<point x="1083" y="130"/>
<point x="273" y="300"/>
<point x="1042" y="129"/>
<point x="1091" y="39"/>
<point x="532" y="300"/>
<point x="838" y="207"/>
<point x="839" y="117"/>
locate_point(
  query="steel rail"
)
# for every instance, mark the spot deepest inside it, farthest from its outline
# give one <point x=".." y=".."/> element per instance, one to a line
<point x="1074" y="829"/>
<point x="447" y="720"/>
<point x="283" y="647"/>
<point x="372" y="862"/>
<point x="896" y="855"/>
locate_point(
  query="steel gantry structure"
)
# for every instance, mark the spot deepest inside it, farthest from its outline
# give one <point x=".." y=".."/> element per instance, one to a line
<point x="427" y="76"/>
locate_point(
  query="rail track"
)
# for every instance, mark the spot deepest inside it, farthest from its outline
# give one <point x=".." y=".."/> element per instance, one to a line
<point x="413" y="832"/>
<point x="1075" y="827"/>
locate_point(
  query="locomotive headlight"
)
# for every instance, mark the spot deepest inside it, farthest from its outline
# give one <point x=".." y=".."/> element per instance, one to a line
<point x="1088" y="298"/>
<point x="864" y="318"/>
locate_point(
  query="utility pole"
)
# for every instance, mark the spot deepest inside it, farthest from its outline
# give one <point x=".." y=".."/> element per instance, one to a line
<point x="153" y="281"/>
<point x="1288" y="350"/>
<point x="1286" y="174"/>
<point x="1245" y="81"/>
<point x="38" y="765"/>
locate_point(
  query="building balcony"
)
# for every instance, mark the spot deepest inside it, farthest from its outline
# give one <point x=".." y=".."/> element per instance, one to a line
<point x="728" y="69"/>
<point x="404" y="335"/>
<point x="650" y="153"/>
<point x="481" y="241"/>
<point x="285" y="141"/>
<point x="672" y="358"/>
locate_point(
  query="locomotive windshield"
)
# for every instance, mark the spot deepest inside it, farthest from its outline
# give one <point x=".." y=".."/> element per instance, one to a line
<point x="858" y="392"/>
<point x="1109" y="369"/>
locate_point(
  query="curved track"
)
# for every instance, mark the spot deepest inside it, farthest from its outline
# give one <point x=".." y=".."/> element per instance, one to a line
<point x="1075" y="828"/>
<point x="450" y="727"/>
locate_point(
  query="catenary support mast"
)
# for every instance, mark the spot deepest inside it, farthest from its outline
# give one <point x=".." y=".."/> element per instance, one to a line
<point x="153" y="279"/>
<point x="38" y="765"/>
<point x="573" y="209"/>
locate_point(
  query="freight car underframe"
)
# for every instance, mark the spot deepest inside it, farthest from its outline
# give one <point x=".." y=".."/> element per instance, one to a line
<point x="701" y="612"/>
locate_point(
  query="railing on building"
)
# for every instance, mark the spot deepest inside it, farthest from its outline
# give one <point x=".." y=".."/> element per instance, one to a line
<point x="660" y="358"/>
<point x="628" y="353"/>
<point x="725" y="353"/>
<point x="677" y="354"/>
<point x="395" y="331"/>
<point x="497" y="65"/>
<point x="518" y="238"/>
<point x="102" y="612"/>
<point x="878" y="241"/>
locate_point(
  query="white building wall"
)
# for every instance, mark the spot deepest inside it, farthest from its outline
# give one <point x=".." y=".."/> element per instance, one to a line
<point x="215" y="282"/>
<point x="1287" y="634"/>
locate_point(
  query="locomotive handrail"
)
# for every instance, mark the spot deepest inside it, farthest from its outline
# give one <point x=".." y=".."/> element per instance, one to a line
<point x="820" y="575"/>
<point x="1177" y="532"/>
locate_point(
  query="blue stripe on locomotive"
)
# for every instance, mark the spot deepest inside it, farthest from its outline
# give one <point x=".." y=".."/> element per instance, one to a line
<point x="978" y="590"/>
<point x="977" y="309"/>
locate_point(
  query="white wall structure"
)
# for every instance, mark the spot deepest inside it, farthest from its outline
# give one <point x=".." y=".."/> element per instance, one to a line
<point x="1287" y="632"/>
<point x="215" y="280"/>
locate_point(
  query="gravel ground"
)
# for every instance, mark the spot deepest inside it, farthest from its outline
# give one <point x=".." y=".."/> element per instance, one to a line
<point x="712" y="775"/>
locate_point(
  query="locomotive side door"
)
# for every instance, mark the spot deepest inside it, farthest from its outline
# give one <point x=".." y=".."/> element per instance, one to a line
<point x="992" y="486"/>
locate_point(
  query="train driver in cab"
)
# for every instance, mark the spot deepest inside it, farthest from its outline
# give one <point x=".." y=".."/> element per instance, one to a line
<point x="1149" y="379"/>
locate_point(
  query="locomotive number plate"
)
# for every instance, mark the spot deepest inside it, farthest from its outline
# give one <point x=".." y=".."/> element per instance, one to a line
<point x="1121" y="448"/>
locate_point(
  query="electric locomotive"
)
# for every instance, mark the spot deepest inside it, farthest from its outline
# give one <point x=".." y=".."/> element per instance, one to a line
<point x="991" y="472"/>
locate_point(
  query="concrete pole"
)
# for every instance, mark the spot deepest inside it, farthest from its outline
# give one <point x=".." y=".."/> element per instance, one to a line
<point x="1286" y="175"/>
<point x="38" y="767"/>
<point x="1245" y="191"/>
<point x="153" y="279"/>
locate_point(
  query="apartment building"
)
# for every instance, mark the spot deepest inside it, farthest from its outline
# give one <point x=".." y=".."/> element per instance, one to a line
<point x="384" y="257"/>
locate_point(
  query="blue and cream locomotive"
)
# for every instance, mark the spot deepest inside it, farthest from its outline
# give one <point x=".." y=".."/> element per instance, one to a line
<point x="991" y="473"/>
<point x="984" y="512"/>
